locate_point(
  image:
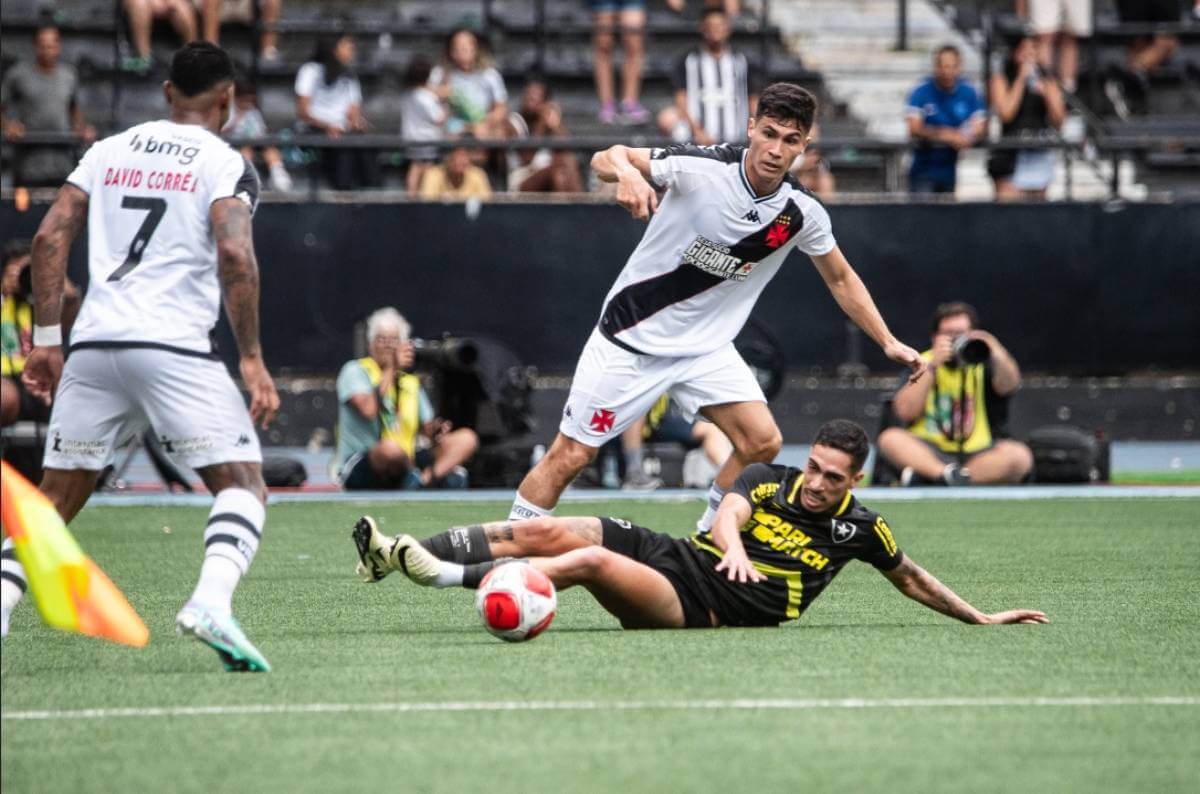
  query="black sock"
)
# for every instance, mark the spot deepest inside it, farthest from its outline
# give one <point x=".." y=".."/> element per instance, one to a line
<point x="463" y="545"/>
<point x="473" y="574"/>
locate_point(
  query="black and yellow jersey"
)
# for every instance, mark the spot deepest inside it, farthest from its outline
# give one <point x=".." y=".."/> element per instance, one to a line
<point x="800" y="552"/>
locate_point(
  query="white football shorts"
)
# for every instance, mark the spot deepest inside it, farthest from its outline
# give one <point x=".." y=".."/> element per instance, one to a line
<point x="107" y="396"/>
<point x="614" y="387"/>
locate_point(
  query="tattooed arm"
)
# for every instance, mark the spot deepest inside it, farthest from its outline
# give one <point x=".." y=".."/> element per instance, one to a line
<point x="237" y="269"/>
<point x="922" y="586"/>
<point x="51" y="245"/>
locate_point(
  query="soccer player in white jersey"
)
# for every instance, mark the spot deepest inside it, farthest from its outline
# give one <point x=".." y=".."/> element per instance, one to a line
<point x="168" y="208"/>
<point x="728" y="218"/>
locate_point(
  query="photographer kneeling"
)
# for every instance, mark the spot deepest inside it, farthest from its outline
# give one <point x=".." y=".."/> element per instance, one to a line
<point x="388" y="436"/>
<point x="953" y="422"/>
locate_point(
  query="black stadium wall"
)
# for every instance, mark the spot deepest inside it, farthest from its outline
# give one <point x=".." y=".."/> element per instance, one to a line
<point x="1070" y="288"/>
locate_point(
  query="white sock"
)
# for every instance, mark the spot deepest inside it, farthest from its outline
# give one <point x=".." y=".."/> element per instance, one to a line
<point x="523" y="509"/>
<point x="12" y="584"/>
<point x="450" y="574"/>
<point x="230" y="542"/>
<point x="280" y="179"/>
<point x="715" y="494"/>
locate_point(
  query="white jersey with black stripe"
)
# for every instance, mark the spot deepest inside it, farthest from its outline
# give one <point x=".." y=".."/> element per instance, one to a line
<point x="708" y="252"/>
<point x="152" y="258"/>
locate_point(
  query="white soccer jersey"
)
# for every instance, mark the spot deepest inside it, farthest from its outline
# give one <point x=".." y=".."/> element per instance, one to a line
<point x="152" y="259"/>
<point x="708" y="252"/>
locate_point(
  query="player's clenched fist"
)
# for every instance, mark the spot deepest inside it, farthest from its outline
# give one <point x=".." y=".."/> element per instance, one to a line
<point x="635" y="194"/>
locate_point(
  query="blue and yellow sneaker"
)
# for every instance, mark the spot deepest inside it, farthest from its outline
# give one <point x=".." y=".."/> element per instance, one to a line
<point x="223" y="634"/>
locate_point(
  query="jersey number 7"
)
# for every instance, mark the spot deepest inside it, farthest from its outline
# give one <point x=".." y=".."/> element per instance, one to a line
<point x="156" y="209"/>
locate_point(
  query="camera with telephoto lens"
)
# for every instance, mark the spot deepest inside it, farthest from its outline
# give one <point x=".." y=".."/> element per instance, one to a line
<point x="971" y="351"/>
<point x="453" y="353"/>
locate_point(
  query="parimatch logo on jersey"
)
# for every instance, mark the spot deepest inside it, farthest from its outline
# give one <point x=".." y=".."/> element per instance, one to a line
<point x="715" y="258"/>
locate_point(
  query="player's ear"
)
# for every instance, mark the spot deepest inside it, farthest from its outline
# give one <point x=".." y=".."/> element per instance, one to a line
<point x="857" y="478"/>
<point x="168" y="90"/>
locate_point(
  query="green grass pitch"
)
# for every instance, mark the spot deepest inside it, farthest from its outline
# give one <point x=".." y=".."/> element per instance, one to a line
<point x="1118" y="578"/>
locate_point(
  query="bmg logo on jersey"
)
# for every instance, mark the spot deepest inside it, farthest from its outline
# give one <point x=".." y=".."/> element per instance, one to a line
<point x="184" y="154"/>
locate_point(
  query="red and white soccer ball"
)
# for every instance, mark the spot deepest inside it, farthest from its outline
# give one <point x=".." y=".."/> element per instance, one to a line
<point x="516" y="601"/>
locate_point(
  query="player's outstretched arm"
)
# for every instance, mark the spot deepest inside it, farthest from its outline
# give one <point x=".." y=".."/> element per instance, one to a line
<point x="237" y="268"/>
<point x="922" y="586"/>
<point x="731" y="515"/>
<point x="852" y="295"/>
<point x="48" y="265"/>
<point x="630" y="169"/>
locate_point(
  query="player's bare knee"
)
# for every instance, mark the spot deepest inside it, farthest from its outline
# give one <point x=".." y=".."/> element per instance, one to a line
<point x="585" y="565"/>
<point x="569" y="457"/>
<point x="537" y="533"/>
<point x="762" y="447"/>
<point x="237" y="474"/>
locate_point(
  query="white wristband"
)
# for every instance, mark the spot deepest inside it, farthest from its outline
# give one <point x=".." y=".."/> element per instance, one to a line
<point x="47" y="335"/>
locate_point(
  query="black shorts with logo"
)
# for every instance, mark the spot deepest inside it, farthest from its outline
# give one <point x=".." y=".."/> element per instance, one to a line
<point x="666" y="555"/>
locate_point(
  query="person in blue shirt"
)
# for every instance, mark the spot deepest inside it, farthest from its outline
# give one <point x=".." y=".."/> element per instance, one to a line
<point x="945" y="115"/>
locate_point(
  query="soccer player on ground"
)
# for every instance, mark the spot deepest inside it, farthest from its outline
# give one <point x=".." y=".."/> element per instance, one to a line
<point x="780" y="537"/>
<point x="728" y="218"/>
<point x="168" y="207"/>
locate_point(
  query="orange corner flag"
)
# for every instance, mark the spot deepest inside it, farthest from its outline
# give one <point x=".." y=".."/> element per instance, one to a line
<point x="71" y="592"/>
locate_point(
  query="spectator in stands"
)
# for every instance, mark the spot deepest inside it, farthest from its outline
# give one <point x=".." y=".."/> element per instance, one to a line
<point x="456" y="179"/>
<point x="41" y="97"/>
<point x="541" y="170"/>
<point x="630" y="17"/>
<point x="471" y="87"/>
<point x="953" y="421"/>
<point x="714" y="92"/>
<point x="1128" y="89"/>
<point x="16" y="333"/>
<point x="215" y="12"/>
<point x="388" y="435"/>
<point x="666" y="424"/>
<point x="1061" y="22"/>
<point x="141" y="15"/>
<point x="329" y="100"/>
<point x="246" y="121"/>
<point x="1029" y="104"/>
<point x="945" y="115"/>
<point x="422" y="118"/>
<point x="812" y="169"/>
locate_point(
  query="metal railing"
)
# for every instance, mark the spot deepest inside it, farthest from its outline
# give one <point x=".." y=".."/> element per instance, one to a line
<point x="844" y="150"/>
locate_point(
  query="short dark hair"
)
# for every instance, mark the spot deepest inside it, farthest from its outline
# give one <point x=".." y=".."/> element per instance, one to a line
<point x="846" y="436"/>
<point x="947" y="48"/>
<point x="788" y="102"/>
<point x="953" y="309"/>
<point x="708" y="11"/>
<point x="198" y="66"/>
<point x="416" y="73"/>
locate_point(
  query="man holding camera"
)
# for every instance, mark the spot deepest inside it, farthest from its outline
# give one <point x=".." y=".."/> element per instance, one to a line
<point x="388" y="435"/>
<point x="953" y="423"/>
